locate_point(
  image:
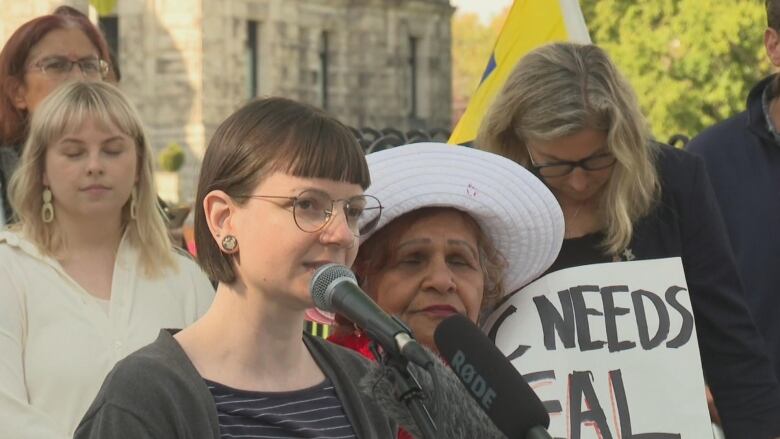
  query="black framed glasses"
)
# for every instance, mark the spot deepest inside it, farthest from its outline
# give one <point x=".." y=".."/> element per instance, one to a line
<point x="59" y="66"/>
<point x="313" y="209"/>
<point x="595" y="162"/>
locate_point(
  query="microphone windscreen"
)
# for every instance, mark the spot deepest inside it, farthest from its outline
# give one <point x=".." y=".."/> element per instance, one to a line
<point x="490" y="378"/>
<point x="454" y="412"/>
<point x="323" y="281"/>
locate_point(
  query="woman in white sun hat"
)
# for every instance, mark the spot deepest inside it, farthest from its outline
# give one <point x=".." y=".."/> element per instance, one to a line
<point x="460" y="228"/>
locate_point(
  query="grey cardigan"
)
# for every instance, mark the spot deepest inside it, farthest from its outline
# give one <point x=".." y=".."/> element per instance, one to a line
<point x="156" y="392"/>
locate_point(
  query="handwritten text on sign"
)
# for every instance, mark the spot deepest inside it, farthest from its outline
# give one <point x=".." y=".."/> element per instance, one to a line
<point x="611" y="350"/>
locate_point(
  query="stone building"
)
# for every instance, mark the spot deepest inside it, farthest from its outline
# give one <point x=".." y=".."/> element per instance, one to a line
<point x="187" y="64"/>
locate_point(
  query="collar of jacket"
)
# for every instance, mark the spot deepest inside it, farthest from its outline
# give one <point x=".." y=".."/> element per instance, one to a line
<point x="755" y="110"/>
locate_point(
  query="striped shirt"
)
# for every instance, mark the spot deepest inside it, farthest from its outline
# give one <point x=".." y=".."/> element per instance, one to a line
<point x="315" y="412"/>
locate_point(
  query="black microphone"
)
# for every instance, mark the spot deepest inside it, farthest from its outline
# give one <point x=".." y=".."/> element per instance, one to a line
<point x="456" y="414"/>
<point x="334" y="288"/>
<point x="491" y="380"/>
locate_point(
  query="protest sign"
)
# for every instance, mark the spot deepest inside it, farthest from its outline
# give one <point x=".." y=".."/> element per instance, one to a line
<point x="610" y="349"/>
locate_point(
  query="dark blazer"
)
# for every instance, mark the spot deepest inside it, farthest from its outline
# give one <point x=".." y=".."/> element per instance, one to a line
<point x="743" y="161"/>
<point x="687" y="223"/>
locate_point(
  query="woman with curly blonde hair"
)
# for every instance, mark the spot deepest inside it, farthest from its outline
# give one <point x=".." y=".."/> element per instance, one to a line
<point x="88" y="273"/>
<point x="569" y="116"/>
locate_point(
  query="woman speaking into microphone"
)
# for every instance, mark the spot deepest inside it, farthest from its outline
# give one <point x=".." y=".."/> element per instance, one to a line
<point x="280" y="194"/>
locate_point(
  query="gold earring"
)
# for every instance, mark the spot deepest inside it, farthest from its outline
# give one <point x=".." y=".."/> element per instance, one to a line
<point x="47" y="210"/>
<point x="133" y="206"/>
<point x="229" y="243"/>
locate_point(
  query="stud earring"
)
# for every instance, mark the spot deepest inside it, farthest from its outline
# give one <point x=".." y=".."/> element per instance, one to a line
<point x="133" y="206"/>
<point x="229" y="243"/>
<point x="47" y="210"/>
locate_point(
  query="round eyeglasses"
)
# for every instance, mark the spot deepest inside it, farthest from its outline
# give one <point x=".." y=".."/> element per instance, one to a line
<point x="313" y="209"/>
<point x="59" y="66"/>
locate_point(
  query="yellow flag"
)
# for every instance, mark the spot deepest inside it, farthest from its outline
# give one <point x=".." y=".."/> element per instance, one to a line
<point x="530" y="24"/>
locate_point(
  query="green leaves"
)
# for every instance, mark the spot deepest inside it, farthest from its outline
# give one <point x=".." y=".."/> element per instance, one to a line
<point x="171" y="158"/>
<point x="691" y="62"/>
<point x="472" y="44"/>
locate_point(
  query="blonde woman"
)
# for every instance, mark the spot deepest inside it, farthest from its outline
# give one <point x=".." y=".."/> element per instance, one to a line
<point x="88" y="273"/>
<point x="568" y="115"/>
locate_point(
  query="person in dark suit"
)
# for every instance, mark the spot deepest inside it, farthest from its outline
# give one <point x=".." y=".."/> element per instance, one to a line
<point x="742" y="155"/>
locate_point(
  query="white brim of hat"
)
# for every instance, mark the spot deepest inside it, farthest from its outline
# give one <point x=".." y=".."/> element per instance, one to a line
<point x="513" y="207"/>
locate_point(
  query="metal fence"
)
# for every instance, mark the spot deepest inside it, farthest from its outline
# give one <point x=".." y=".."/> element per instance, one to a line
<point x="373" y="140"/>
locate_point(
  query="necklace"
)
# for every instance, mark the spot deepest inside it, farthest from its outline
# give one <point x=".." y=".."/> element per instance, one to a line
<point x="577" y="212"/>
<point x="568" y="232"/>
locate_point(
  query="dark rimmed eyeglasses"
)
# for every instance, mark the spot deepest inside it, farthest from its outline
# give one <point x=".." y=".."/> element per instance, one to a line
<point x="313" y="209"/>
<point x="59" y="66"/>
<point x="595" y="162"/>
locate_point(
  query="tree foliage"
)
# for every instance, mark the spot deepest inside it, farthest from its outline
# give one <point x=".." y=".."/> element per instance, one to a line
<point x="472" y="43"/>
<point x="691" y="62"/>
<point x="171" y="158"/>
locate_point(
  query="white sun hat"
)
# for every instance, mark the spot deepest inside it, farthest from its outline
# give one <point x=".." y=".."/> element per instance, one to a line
<point x="513" y="207"/>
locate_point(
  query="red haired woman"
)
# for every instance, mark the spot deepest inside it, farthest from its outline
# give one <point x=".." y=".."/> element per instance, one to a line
<point x="38" y="57"/>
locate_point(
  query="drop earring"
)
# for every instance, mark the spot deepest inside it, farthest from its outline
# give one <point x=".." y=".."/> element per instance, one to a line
<point x="133" y="206"/>
<point x="47" y="210"/>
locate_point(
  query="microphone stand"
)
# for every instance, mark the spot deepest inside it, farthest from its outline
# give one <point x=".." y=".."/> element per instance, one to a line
<point x="408" y="390"/>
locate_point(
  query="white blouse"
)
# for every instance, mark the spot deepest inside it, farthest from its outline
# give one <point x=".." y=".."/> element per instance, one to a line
<point x="58" y="342"/>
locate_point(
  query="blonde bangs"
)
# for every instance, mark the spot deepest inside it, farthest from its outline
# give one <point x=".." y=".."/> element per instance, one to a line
<point x="63" y="112"/>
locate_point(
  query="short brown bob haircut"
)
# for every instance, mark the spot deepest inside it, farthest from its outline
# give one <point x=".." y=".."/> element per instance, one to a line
<point x="266" y="136"/>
